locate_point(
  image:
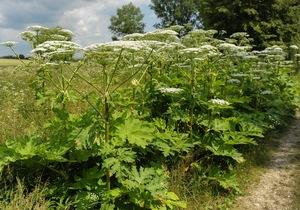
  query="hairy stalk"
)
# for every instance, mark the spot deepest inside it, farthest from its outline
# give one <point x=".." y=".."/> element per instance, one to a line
<point x="17" y="55"/>
<point x="115" y="70"/>
<point x="91" y="84"/>
<point x="106" y="135"/>
<point x="106" y="113"/>
<point x="135" y="73"/>
<point x="74" y="73"/>
<point x="193" y="81"/>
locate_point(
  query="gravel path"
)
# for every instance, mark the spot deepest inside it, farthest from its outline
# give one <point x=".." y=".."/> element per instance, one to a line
<point x="276" y="188"/>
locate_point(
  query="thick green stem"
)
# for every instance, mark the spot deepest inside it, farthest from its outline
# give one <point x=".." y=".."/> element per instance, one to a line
<point x="106" y="135"/>
<point x="193" y="81"/>
<point x="106" y="121"/>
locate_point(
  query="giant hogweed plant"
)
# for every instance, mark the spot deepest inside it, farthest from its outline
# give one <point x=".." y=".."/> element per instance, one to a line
<point x="144" y="103"/>
<point x="223" y="96"/>
<point x="100" y="157"/>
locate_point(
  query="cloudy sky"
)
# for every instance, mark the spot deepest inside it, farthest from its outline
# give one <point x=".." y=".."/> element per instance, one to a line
<point x="88" y="19"/>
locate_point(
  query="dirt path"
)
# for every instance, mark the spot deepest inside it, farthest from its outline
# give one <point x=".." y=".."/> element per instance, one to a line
<point x="276" y="188"/>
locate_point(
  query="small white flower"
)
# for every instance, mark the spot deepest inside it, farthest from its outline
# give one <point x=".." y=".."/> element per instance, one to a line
<point x="294" y="47"/>
<point x="58" y="37"/>
<point x="234" y="81"/>
<point x="135" y="82"/>
<point x="288" y="62"/>
<point x="9" y="43"/>
<point x="238" y="35"/>
<point x="250" y="57"/>
<point x="274" y="50"/>
<point x="276" y="57"/>
<point x="266" y="92"/>
<point x="205" y="33"/>
<point x="36" y="28"/>
<point x="219" y="101"/>
<point x="256" y="78"/>
<point x="50" y="64"/>
<point x="170" y="90"/>
<point x="239" y="75"/>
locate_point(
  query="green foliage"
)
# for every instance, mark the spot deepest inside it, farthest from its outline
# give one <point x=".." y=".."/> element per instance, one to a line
<point x="128" y="20"/>
<point x="267" y="22"/>
<point x="176" y="12"/>
<point x="118" y="119"/>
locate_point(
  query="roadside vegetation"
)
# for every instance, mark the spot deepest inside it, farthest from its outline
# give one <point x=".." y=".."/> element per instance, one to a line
<point x="154" y="121"/>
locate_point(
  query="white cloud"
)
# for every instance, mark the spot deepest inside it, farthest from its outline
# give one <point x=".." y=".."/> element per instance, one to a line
<point x="2" y="19"/>
<point x="88" y="19"/>
<point x="86" y="22"/>
<point x="90" y="22"/>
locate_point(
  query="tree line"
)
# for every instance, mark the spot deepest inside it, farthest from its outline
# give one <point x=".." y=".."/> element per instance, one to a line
<point x="268" y="22"/>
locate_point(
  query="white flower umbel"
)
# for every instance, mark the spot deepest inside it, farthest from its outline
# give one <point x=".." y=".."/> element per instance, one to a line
<point x="274" y="50"/>
<point x="58" y="37"/>
<point x="67" y="31"/>
<point x="219" y="102"/>
<point x="162" y="35"/>
<point x="50" y="49"/>
<point x="250" y="57"/>
<point x="170" y="90"/>
<point x="276" y="57"/>
<point x="201" y="32"/>
<point x="130" y="45"/>
<point x="36" y="28"/>
<point x="239" y="35"/>
<point x="164" y="32"/>
<point x="133" y="37"/>
<point x="9" y="44"/>
<point x="232" y="48"/>
<point x="28" y="35"/>
<point x="50" y="64"/>
<point x="208" y="48"/>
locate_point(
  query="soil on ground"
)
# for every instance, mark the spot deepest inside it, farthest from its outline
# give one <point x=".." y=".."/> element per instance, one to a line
<point x="277" y="188"/>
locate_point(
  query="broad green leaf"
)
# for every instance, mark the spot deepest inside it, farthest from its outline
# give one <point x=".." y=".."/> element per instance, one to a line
<point x="225" y="150"/>
<point x="136" y="132"/>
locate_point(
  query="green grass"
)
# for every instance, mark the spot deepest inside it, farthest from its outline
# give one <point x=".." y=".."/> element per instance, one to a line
<point x="19" y="199"/>
<point x="15" y="100"/>
<point x="10" y="62"/>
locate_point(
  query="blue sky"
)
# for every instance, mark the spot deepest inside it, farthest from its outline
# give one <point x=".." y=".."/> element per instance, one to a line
<point x="88" y="19"/>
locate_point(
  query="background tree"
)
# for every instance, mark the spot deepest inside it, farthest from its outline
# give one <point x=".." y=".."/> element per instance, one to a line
<point x="268" y="22"/>
<point x="176" y="12"/>
<point x="128" y="20"/>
